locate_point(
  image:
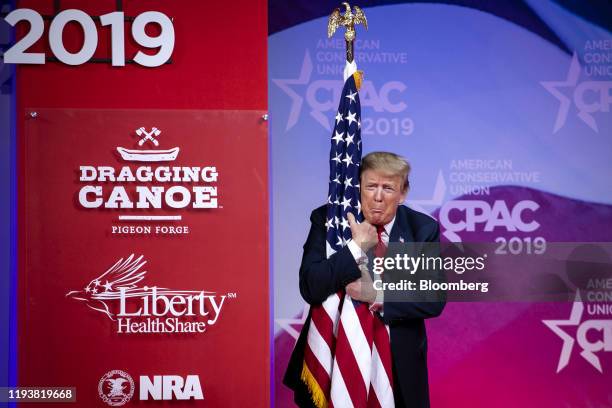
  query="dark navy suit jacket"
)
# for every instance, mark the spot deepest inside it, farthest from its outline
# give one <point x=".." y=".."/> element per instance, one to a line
<point x="320" y="277"/>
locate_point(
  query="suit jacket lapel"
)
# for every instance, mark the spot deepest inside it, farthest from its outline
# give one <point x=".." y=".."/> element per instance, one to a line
<point x="401" y="227"/>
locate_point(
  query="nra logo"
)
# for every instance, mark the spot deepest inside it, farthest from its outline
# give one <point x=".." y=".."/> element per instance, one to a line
<point x="169" y="387"/>
<point x="116" y="388"/>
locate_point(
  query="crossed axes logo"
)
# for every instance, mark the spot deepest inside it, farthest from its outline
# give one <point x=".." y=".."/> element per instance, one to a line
<point x="148" y="135"/>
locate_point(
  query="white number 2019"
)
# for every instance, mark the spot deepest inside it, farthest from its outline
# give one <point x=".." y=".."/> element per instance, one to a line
<point x="164" y="41"/>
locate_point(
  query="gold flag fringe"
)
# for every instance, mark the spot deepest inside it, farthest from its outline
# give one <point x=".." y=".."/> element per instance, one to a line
<point x="316" y="393"/>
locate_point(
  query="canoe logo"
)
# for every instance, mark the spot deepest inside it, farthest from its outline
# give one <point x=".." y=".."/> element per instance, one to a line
<point x="148" y="155"/>
<point x="148" y="179"/>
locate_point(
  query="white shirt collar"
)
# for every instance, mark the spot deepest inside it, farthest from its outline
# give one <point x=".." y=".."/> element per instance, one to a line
<point x="389" y="226"/>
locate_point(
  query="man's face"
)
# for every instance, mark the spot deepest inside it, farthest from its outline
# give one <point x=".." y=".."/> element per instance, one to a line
<point x="381" y="194"/>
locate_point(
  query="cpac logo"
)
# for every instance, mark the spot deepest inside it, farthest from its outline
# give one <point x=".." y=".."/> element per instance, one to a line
<point x="589" y="348"/>
<point x="168" y="387"/>
<point x="322" y="95"/>
<point x="465" y="215"/>
<point x="588" y="96"/>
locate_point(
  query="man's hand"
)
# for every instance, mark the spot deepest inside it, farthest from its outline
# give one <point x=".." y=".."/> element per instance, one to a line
<point x="364" y="234"/>
<point x="362" y="289"/>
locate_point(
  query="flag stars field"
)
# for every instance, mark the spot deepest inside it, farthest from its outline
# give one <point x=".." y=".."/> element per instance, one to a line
<point x="347" y="182"/>
<point x="349" y="139"/>
<point x="351" y="97"/>
<point x="351" y="117"/>
<point x="338" y="138"/>
<point x="346" y="202"/>
<point x="338" y="118"/>
<point x="348" y="159"/>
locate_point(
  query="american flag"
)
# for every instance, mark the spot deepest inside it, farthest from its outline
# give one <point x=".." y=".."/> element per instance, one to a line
<point x="344" y="162"/>
<point x="347" y="360"/>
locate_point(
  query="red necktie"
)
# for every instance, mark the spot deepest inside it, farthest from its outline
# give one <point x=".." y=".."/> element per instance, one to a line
<point x="381" y="248"/>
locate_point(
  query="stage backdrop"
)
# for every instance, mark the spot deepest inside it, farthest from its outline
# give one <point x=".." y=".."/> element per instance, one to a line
<point x="143" y="213"/>
<point x="498" y="107"/>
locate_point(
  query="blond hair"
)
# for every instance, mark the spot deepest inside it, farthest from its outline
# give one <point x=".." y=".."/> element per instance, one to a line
<point x="387" y="162"/>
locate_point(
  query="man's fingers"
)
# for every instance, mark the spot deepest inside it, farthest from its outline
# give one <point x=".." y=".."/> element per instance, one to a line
<point x="351" y="220"/>
<point x="354" y="288"/>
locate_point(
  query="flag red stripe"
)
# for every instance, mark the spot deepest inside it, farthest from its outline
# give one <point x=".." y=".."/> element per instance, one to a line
<point x="383" y="346"/>
<point x="367" y="322"/>
<point x="373" y="399"/>
<point x="317" y="371"/>
<point x="349" y="368"/>
<point x="324" y="325"/>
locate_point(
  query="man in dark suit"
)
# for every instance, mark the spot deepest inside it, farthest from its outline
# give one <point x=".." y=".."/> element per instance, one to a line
<point x="384" y="185"/>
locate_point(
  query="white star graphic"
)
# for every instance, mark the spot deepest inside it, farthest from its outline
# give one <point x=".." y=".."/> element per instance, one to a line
<point x="87" y="290"/>
<point x="564" y="102"/>
<point x="358" y="207"/>
<point x="287" y="324"/>
<point x="351" y="117"/>
<point x="339" y="137"/>
<point x="337" y="158"/>
<point x="338" y="118"/>
<point x="436" y="200"/>
<point x="340" y="242"/>
<point x="359" y="125"/>
<point x="96" y="282"/>
<point x="348" y="159"/>
<point x="349" y="139"/>
<point x="108" y="286"/>
<point x="337" y="179"/>
<point x="568" y="341"/>
<point x="329" y="224"/>
<point x="345" y="203"/>
<point x="296" y="99"/>
<point x="351" y="97"/>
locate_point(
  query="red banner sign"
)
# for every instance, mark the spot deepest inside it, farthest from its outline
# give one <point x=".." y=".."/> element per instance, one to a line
<point x="144" y="274"/>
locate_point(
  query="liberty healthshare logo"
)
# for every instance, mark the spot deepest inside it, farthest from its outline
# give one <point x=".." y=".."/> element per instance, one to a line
<point x="117" y="294"/>
<point x="117" y="388"/>
<point x="321" y="95"/>
<point x="588" y="97"/>
<point x="129" y="188"/>
<point x="589" y="344"/>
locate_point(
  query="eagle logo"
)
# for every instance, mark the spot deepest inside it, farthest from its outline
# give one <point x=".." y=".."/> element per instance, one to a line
<point x="123" y="275"/>
<point x="116" y="388"/>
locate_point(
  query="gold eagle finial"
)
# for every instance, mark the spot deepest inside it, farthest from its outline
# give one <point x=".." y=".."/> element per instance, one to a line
<point x="348" y="20"/>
